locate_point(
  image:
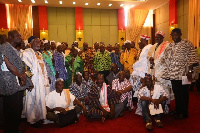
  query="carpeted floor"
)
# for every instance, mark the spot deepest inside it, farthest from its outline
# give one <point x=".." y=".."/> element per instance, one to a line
<point x="129" y="123"/>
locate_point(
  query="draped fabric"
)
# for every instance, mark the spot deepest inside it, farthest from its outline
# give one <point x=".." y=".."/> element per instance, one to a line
<point x="144" y="31"/>
<point x="20" y="18"/>
<point x="194" y="22"/>
<point x="137" y="18"/>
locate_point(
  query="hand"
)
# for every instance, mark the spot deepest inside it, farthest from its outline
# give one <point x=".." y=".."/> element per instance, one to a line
<point x="118" y="93"/>
<point x="30" y="88"/>
<point x="60" y="109"/>
<point x="22" y="80"/>
<point x="151" y="60"/>
<point x="57" y="74"/>
<point x="156" y="103"/>
<point x="49" y="80"/>
<point x="72" y="60"/>
<point x="84" y="110"/>
<point x="189" y="76"/>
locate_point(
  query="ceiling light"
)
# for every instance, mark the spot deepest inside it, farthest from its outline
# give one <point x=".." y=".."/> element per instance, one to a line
<point x="20" y="0"/>
<point x="46" y="1"/>
<point x="121" y="5"/>
<point x="60" y="2"/>
<point x="74" y="3"/>
<point x="33" y="1"/>
<point x="98" y="4"/>
<point x="132" y="5"/>
<point x="110" y="4"/>
<point x="86" y="4"/>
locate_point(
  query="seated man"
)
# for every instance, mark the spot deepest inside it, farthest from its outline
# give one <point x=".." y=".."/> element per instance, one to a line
<point x="60" y="101"/>
<point x="123" y="88"/>
<point x="114" y="72"/>
<point x="87" y="79"/>
<point x="79" y="89"/>
<point x="155" y="96"/>
<point x="103" y="101"/>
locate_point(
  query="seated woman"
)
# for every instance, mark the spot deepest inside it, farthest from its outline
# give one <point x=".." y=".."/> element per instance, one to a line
<point x="60" y="101"/>
<point x="155" y="96"/>
<point x="123" y="89"/>
<point x="79" y="89"/>
<point x="103" y="101"/>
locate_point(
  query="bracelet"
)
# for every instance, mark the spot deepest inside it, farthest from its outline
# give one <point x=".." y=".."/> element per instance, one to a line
<point x="190" y="71"/>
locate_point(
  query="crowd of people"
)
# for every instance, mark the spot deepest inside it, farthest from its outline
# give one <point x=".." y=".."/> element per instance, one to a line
<point x="42" y="79"/>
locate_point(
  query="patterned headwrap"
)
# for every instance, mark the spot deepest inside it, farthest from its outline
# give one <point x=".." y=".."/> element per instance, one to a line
<point x="161" y="33"/>
<point x="145" y="37"/>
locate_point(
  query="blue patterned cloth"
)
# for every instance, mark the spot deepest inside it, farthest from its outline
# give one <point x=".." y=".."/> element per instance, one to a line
<point x="116" y="59"/>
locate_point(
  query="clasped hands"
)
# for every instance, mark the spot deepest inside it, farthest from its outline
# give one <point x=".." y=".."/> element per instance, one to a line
<point x="156" y="102"/>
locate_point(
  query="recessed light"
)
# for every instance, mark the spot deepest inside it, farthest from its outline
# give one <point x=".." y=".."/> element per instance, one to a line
<point x="60" y="2"/>
<point x="46" y="1"/>
<point x="33" y="1"/>
<point x="20" y="0"/>
<point x="98" y="4"/>
<point x="86" y="4"/>
<point x="121" y="5"/>
<point x="110" y="4"/>
<point x="132" y="5"/>
<point x="74" y="3"/>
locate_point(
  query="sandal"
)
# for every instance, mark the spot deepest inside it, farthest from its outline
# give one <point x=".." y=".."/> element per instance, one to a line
<point x="159" y="124"/>
<point x="149" y="126"/>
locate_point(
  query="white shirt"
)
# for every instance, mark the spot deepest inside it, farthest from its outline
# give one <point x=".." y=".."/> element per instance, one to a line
<point x="140" y="67"/>
<point x="54" y="99"/>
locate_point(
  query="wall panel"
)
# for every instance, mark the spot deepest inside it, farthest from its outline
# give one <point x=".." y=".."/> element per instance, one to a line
<point x="96" y="19"/>
<point x="162" y="18"/>
<point x="101" y="26"/>
<point x="61" y="23"/>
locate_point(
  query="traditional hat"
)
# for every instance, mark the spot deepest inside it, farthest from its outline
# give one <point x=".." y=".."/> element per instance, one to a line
<point x="31" y="38"/>
<point x="102" y="44"/>
<point x="57" y="44"/>
<point x="161" y="33"/>
<point x="59" y="79"/>
<point x="46" y="41"/>
<point x="145" y="37"/>
<point x="127" y="41"/>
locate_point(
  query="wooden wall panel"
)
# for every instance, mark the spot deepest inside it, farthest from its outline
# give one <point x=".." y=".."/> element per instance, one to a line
<point x="61" y="22"/>
<point x="36" y="28"/>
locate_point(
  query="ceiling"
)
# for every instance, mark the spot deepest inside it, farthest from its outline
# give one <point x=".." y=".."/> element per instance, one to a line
<point x="142" y="4"/>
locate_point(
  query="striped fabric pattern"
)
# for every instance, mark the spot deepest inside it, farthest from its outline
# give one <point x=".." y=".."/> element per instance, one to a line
<point x="177" y="57"/>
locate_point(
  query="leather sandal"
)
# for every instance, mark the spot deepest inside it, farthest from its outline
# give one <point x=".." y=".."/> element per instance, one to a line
<point x="149" y="126"/>
<point x="159" y="124"/>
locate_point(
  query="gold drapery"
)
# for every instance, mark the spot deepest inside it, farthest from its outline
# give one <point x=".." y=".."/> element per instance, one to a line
<point x="144" y="31"/>
<point x="137" y="18"/>
<point x="194" y="22"/>
<point x="20" y="18"/>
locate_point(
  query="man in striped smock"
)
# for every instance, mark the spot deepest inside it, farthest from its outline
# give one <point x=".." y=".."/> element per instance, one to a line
<point x="179" y="59"/>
